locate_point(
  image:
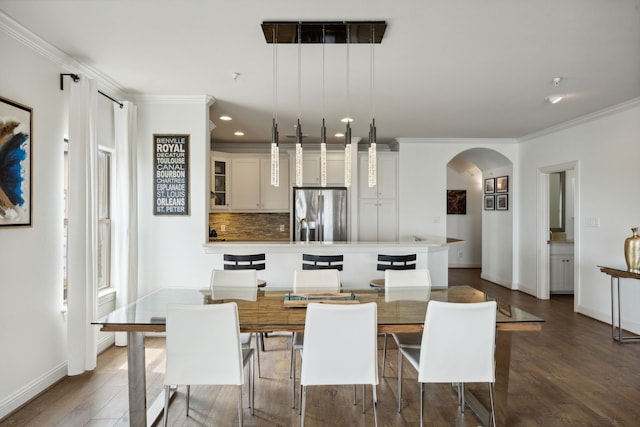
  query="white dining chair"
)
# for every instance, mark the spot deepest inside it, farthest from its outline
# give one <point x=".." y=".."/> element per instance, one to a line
<point x="458" y="347"/>
<point x="309" y="281"/>
<point x="223" y="282"/>
<point x="400" y="283"/>
<point x="203" y="348"/>
<point x="340" y="348"/>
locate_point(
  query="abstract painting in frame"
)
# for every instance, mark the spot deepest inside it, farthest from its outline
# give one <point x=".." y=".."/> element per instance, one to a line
<point x="15" y="164"/>
<point x="456" y="202"/>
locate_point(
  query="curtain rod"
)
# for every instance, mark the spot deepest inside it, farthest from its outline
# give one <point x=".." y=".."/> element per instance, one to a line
<point x="76" y="77"/>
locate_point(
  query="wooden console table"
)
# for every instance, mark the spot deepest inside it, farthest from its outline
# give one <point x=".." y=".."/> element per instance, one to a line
<point x="616" y="274"/>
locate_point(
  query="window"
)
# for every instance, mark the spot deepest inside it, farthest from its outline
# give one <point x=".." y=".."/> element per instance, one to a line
<point x="104" y="219"/>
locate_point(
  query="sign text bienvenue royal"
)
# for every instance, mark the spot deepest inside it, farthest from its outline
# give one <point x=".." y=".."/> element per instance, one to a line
<point x="171" y="174"/>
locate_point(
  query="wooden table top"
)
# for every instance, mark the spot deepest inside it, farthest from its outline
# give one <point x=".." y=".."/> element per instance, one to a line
<point x="402" y="312"/>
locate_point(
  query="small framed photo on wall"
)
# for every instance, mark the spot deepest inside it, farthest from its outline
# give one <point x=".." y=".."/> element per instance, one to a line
<point x="489" y="203"/>
<point x="502" y="202"/>
<point x="502" y="184"/>
<point x="490" y="185"/>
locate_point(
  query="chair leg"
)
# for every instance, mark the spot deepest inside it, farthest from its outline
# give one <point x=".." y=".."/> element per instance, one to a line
<point x="262" y="337"/>
<point x="188" y="396"/>
<point x="493" y="408"/>
<point x="252" y="385"/>
<point x="354" y="395"/>
<point x="384" y="354"/>
<point x="167" y="394"/>
<point x="240" y="421"/>
<point x="257" y="338"/>
<point x="291" y="359"/>
<point x="363" y="399"/>
<point x="303" y="401"/>
<point x="462" y="401"/>
<point x="399" y="378"/>
<point x="293" y="376"/>
<point x="421" y="402"/>
<point x="375" y="405"/>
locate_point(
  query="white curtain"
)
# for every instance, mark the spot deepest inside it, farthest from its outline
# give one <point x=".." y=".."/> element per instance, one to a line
<point x="83" y="227"/>
<point x="125" y="209"/>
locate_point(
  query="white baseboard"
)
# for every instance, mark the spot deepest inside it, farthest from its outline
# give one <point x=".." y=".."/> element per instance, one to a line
<point x="31" y="390"/>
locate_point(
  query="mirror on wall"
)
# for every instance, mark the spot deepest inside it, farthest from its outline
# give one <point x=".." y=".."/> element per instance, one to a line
<point x="557" y="201"/>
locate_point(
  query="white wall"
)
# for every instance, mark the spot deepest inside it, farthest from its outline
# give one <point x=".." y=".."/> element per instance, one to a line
<point x="33" y="332"/>
<point x="497" y="235"/>
<point x="606" y="147"/>
<point x="170" y="247"/>
<point x="467" y="254"/>
<point x="423" y="207"/>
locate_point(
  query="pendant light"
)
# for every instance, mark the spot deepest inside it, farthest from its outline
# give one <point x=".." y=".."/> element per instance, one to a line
<point x="298" y="128"/>
<point x="275" y="149"/>
<point x="372" y="128"/>
<point x="323" y="129"/>
<point x="347" y="133"/>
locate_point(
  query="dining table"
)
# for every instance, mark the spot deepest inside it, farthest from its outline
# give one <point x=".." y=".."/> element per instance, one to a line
<point x="280" y="310"/>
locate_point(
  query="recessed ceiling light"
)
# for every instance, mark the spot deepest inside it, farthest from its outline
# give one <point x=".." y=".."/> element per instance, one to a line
<point x="346" y="120"/>
<point x="225" y="118"/>
<point x="339" y="135"/>
<point x="238" y="133"/>
<point x="554" y="99"/>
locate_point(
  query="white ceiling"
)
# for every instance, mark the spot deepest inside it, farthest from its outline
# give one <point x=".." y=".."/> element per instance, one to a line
<point x="445" y="68"/>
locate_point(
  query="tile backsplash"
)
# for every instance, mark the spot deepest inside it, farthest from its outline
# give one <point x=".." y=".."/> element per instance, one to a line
<point x="249" y="226"/>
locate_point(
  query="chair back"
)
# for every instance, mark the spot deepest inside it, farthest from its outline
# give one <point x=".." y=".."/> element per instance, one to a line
<point x="203" y="345"/>
<point x="316" y="279"/>
<point x="340" y="344"/>
<point x="396" y="262"/>
<point x="407" y="285"/>
<point x="233" y="278"/>
<point x="318" y="262"/>
<point x="244" y="262"/>
<point x="407" y="278"/>
<point x="458" y="343"/>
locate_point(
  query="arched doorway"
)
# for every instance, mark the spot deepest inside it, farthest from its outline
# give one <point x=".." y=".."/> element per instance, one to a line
<point x="487" y="227"/>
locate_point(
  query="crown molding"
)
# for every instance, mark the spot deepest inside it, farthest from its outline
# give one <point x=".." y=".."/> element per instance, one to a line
<point x="207" y="100"/>
<point x="57" y="56"/>
<point x="583" y="119"/>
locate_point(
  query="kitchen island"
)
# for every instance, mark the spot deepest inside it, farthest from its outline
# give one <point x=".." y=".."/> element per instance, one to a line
<point x="360" y="258"/>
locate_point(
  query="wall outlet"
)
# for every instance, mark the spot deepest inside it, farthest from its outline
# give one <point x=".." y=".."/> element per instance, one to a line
<point x="281" y="227"/>
<point x="223" y="227"/>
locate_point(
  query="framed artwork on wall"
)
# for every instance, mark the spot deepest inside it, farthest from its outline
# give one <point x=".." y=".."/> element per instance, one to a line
<point x="502" y="202"/>
<point x="15" y="164"/>
<point x="502" y="184"/>
<point x="489" y="202"/>
<point x="456" y="202"/>
<point x="489" y="185"/>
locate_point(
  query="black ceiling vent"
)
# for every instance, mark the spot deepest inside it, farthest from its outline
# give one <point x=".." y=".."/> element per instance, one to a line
<point x="334" y="31"/>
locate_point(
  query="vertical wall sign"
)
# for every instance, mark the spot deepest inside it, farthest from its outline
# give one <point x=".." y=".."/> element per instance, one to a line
<point x="170" y="174"/>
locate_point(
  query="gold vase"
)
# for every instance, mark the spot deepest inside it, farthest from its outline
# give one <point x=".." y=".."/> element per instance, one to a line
<point x="632" y="250"/>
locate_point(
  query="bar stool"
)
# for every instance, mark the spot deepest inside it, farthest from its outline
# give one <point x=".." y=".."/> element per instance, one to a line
<point x="246" y="262"/>
<point x="393" y="262"/>
<point x="322" y="262"/>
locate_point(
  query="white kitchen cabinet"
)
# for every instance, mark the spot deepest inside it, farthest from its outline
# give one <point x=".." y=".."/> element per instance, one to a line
<point x="275" y="199"/>
<point x="220" y="177"/>
<point x="561" y="268"/>
<point x="311" y="168"/>
<point x="378" y="206"/>
<point x="251" y="188"/>
<point x="386" y="180"/>
<point x="378" y="220"/>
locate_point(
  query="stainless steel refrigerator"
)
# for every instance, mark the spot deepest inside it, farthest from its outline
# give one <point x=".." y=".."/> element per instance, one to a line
<point x="320" y="214"/>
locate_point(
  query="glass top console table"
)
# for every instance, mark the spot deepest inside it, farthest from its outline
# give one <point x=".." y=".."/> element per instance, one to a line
<point x="265" y="312"/>
<point x="616" y="274"/>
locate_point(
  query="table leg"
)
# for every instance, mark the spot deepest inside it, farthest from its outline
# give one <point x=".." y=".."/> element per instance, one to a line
<point x="501" y="386"/>
<point x="613" y="323"/>
<point x="137" y="379"/>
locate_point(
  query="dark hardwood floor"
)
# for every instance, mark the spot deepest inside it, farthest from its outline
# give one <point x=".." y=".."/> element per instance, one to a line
<point x="569" y="374"/>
